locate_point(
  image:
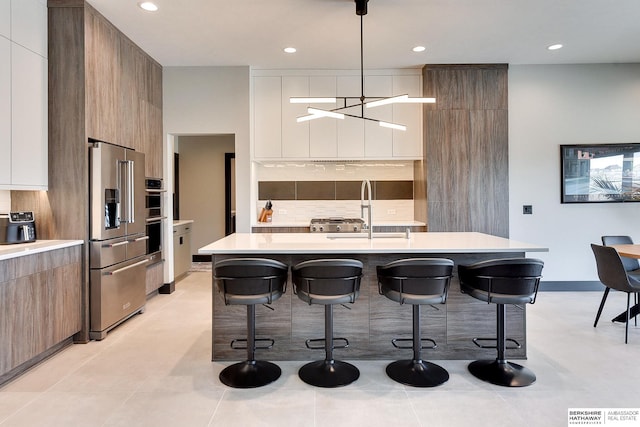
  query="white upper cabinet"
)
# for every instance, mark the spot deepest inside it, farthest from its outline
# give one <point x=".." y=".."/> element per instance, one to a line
<point x="29" y="25"/>
<point x="377" y="139"/>
<point x="408" y="143"/>
<point x="29" y="155"/>
<point x="295" y="136"/>
<point x="5" y="18"/>
<point x="267" y="117"/>
<point x="323" y="132"/>
<point x="23" y="95"/>
<point x="277" y="134"/>
<point x="350" y="130"/>
<point x="5" y="111"/>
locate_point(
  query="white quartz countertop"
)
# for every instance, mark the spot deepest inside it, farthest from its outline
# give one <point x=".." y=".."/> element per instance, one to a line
<point x="22" y="249"/>
<point x="179" y="222"/>
<point x="347" y="243"/>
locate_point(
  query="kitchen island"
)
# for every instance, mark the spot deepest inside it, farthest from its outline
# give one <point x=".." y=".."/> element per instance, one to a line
<point x="372" y="321"/>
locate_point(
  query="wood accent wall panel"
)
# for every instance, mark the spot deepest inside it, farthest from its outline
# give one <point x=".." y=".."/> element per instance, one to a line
<point x="466" y="148"/>
<point x="370" y="323"/>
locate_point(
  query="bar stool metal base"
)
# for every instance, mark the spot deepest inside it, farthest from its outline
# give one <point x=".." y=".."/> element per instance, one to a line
<point x="250" y="374"/>
<point x="328" y="373"/>
<point x="417" y="373"/>
<point x="507" y="374"/>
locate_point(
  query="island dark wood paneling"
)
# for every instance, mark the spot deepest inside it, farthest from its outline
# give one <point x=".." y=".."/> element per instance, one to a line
<point x="371" y="322"/>
<point x="466" y="148"/>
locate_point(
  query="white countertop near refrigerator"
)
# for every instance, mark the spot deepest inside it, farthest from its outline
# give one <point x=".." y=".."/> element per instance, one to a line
<point x="39" y="246"/>
<point x="179" y="222"/>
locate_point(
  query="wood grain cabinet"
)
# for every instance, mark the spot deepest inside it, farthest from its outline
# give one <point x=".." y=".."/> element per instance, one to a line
<point x="155" y="277"/>
<point x="41" y="302"/>
<point x="124" y="92"/>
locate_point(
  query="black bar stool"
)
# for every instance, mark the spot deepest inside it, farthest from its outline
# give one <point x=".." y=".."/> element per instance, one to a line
<point x="328" y="282"/>
<point x="250" y="281"/>
<point x="416" y="281"/>
<point x="502" y="281"/>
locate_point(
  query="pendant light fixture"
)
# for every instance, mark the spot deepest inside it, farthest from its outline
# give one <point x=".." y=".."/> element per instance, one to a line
<point x="352" y="101"/>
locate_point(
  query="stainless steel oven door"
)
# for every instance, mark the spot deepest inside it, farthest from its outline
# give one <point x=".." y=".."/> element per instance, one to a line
<point x="154" y="234"/>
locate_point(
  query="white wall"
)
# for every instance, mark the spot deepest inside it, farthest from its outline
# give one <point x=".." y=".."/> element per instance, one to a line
<point x="551" y="105"/>
<point x="202" y="186"/>
<point x="212" y="100"/>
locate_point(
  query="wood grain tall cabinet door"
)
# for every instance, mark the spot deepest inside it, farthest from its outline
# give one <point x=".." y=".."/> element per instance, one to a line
<point x="102" y="63"/>
<point x="466" y="148"/>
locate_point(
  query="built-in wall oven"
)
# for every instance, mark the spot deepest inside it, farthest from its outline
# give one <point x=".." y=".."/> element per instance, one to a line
<point x="154" y="218"/>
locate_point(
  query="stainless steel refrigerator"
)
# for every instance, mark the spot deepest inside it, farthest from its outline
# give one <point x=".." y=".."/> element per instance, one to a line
<point x="117" y="256"/>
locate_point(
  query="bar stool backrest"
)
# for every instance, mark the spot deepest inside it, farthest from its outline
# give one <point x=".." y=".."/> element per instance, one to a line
<point x="245" y="281"/>
<point x="416" y="280"/>
<point x="327" y="281"/>
<point x="502" y="281"/>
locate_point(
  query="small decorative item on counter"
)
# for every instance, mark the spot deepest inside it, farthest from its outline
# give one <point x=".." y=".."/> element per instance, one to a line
<point x="266" y="214"/>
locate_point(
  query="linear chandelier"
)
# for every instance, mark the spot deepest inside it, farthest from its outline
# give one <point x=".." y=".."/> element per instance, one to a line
<point x="363" y="101"/>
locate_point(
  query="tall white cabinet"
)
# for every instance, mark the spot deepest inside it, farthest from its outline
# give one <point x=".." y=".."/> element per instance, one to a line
<point x="278" y="136"/>
<point x="23" y="95"/>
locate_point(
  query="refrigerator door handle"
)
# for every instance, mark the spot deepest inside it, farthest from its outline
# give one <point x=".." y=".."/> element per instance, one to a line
<point x="126" y="170"/>
<point x="131" y="189"/>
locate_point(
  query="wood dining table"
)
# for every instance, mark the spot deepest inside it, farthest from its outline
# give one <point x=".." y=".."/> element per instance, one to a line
<point x="629" y="251"/>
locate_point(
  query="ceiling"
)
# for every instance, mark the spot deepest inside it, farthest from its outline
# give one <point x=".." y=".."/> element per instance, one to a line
<point x="326" y="33"/>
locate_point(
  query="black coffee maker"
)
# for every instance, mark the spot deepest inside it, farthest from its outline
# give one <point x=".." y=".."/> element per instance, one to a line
<point x="17" y="227"/>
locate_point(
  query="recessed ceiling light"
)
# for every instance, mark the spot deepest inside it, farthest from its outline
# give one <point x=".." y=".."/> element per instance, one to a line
<point x="554" y="46"/>
<point x="290" y="49"/>
<point x="148" y="6"/>
<point x="419" y="49"/>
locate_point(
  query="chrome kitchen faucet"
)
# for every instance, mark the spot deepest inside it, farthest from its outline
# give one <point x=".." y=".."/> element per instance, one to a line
<point x="368" y="225"/>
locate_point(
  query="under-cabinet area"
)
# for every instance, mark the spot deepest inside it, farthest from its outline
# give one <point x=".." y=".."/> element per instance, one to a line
<point x="40" y="303"/>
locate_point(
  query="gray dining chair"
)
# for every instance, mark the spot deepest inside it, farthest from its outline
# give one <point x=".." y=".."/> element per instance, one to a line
<point x="613" y="275"/>
<point x="631" y="266"/>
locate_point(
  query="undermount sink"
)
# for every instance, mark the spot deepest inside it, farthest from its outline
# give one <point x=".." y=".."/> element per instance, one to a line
<point x="389" y="235"/>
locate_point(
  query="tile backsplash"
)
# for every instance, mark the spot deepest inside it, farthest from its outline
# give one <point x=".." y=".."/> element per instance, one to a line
<point x="303" y="190"/>
<point x="296" y="211"/>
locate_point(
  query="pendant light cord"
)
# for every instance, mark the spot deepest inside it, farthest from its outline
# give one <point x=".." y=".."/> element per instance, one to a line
<point x="361" y="67"/>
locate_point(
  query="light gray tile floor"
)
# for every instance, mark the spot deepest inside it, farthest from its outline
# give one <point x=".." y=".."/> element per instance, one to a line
<point x="155" y="370"/>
